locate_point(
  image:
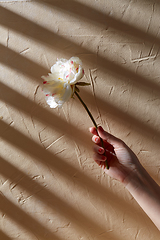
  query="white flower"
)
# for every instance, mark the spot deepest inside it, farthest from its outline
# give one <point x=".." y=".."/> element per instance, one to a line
<point x="59" y="85"/>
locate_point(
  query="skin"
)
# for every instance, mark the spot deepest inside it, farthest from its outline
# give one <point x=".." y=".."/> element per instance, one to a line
<point x="126" y="168"/>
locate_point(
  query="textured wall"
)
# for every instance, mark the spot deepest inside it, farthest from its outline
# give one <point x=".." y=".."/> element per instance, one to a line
<point x="50" y="188"/>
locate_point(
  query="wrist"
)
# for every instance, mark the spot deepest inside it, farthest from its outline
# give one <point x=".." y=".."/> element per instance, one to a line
<point x="135" y="178"/>
<point x="139" y="181"/>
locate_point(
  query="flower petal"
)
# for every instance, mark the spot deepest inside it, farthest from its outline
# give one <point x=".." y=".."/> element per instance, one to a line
<point x="51" y="102"/>
<point x="59" y="85"/>
<point x="59" y="65"/>
<point x="68" y="93"/>
<point x="76" y="60"/>
<point x="78" y="75"/>
<point x="52" y="77"/>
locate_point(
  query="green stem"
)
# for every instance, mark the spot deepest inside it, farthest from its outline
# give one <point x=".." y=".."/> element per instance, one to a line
<point x="95" y="124"/>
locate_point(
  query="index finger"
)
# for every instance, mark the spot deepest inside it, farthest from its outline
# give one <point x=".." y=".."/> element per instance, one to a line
<point x="108" y="146"/>
<point x="93" y="131"/>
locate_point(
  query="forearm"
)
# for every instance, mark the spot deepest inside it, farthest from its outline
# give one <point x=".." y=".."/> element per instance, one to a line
<point x="146" y="192"/>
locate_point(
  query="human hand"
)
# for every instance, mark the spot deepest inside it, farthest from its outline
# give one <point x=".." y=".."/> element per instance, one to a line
<point x="121" y="160"/>
<point x="126" y="168"/>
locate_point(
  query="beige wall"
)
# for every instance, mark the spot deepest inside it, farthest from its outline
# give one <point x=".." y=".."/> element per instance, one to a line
<point x="50" y="187"/>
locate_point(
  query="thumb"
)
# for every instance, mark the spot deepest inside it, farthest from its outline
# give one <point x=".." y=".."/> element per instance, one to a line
<point x="115" y="142"/>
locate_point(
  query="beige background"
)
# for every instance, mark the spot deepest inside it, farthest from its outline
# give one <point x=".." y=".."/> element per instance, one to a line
<point x="50" y="188"/>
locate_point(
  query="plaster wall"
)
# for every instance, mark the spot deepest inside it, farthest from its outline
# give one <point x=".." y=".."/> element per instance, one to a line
<point x="50" y="187"/>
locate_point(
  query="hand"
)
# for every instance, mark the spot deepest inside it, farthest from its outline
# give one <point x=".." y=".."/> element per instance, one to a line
<point x="126" y="168"/>
<point x="121" y="160"/>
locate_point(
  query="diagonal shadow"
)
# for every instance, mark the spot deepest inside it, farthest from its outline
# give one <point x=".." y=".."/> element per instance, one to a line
<point x="25" y="105"/>
<point x="99" y="18"/>
<point x="21" y="66"/>
<point x="50" y="199"/>
<point x="50" y="119"/>
<point x="43" y="72"/>
<point x="31" y="29"/>
<point x="3" y="236"/>
<point x="20" y="63"/>
<point x="23" y="219"/>
<point x="17" y="139"/>
<point x="122" y="116"/>
<point x="140" y="127"/>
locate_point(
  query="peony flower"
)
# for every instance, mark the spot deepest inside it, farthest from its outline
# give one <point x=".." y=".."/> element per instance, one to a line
<point x="59" y="85"/>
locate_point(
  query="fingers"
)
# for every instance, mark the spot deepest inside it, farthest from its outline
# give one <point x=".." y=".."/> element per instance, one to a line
<point x="93" y="131"/>
<point x="100" y="158"/>
<point x="115" y="142"/>
<point x="104" y="135"/>
<point x="96" y="139"/>
<point x="98" y="149"/>
<point x="98" y="155"/>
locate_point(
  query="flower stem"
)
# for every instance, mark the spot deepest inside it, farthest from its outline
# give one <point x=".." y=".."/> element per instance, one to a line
<point x="95" y="124"/>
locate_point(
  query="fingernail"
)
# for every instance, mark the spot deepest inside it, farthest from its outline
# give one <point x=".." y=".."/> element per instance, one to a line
<point x="100" y="150"/>
<point x="96" y="139"/>
<point x="104" y="158"/>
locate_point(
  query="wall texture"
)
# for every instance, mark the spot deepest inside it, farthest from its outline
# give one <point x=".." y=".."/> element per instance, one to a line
<point x="50" y="188"/>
